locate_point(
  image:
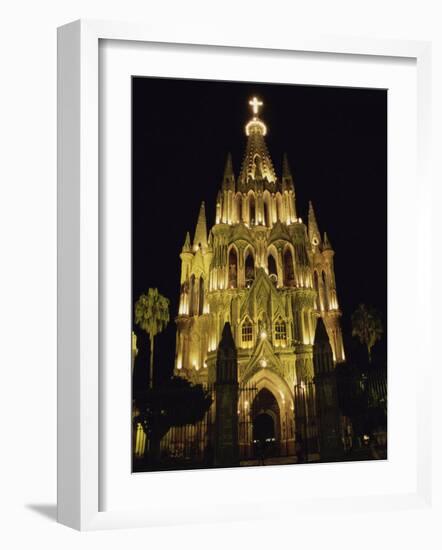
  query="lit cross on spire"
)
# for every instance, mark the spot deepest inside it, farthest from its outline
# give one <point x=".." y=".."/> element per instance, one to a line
<point x="255" y="104"/>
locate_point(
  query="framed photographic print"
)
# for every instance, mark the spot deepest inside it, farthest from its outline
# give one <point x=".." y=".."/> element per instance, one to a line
<point x="238" y="333"/>
<point x="231" y="258"/>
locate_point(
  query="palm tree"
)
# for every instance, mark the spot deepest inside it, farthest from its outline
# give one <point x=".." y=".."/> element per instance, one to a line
<point x="367" y="326"/>
<point x="152" y="315"/>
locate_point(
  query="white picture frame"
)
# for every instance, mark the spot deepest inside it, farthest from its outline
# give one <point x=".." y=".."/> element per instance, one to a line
<point x="79" y="261"/>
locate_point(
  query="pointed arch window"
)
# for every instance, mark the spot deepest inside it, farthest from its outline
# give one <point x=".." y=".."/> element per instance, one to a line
<point x="258" y="167"/>
<point x="238" y="208"/>
<point x="306" y="327"/>
<point x="316" y="287"/>
<point x="289" y="272"/>
<point x="252" y="209"/>
<point x="249" y="269"/>
<point x="233" y="268"/>
<point x="280" y="332"/>
<point x="324" y="283"/>
<point x="279" y="207"/>
<point x="192" y="295"/>
<point x="247" y="333"/>
<point x="266" y="212"/>
<point x="273" y="271"/>
<point x="297" y="326"/>
<point x="201" y="297"/>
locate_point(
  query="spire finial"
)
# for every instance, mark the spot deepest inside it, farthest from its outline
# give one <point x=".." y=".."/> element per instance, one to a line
<point x="321" y="336"/>
<point x="229" y="176"/>
<point x="286" y="173"/>
<point x="327" y="244"/>
<point x="287" y="178"/>
<point x="200" y="239"/>
<point x="256" y="125"/>
<point x="256" y="152"/>
<point x="186" y="245"/>
<point x="227" y="339"/>
<point x="228" y="170"/>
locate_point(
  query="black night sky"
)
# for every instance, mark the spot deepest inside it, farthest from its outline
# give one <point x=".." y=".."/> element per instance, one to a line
<point x="336" y="142"/>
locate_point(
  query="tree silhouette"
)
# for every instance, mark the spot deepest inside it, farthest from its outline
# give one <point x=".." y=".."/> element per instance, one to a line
<point x="152" y="315"/>
<point x="176" y="402"/>
<point x="352" y="395"/>
<point x="367" y="327"/>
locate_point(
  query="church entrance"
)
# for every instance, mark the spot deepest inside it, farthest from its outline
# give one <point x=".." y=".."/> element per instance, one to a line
<point x="266" y="424"/>
<point x="264" y="428"/>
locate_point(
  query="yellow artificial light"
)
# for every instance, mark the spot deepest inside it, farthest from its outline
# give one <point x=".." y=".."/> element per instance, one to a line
<point x="258" y="123"/>
<point x="255" y="103"/>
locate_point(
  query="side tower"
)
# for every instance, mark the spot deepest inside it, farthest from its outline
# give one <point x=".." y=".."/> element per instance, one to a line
<point x="193" y="319"/>
<point x="325" y="285"/>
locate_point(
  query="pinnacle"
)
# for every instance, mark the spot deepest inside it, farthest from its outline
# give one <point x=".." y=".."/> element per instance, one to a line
<point x="227" y="337"/>
<point x="311" y="213"/>
<point x="228" y="170"/>
<point x="287" y="178"/>
<point x="257" y="162"/>
<point x="313" y="229"/>
<point x="229" y="176"/>
<point x="186" y="246"/>
<point x="286" y="173"/>
<point x="200" y="238"/>
<point x="327" y="244"/>
<point x="321" y="336"/>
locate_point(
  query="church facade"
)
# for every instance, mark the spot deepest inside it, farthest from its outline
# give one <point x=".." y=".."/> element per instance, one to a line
<point x="268" y="274"/>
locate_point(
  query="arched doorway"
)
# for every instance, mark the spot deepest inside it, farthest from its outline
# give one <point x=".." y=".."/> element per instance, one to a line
<point x="264" y="428"/>
<point x="266" y="424"/>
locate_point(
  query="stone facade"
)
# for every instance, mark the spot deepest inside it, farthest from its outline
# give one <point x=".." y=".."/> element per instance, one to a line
<point x="267" y="273"/>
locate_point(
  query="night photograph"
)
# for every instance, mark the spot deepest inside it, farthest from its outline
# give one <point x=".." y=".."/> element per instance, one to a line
<point x="259" y="274"/>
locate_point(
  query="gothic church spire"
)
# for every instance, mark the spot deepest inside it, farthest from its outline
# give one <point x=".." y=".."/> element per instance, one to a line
<point x="327" y="244"/>
<point x="200" y="238"/>
<point x="287" y="178"/>
<point x="229" y="176"/>
<point x="186" y="245"/>
<point x="286" y="172"/>
<point x="257" y="163"/>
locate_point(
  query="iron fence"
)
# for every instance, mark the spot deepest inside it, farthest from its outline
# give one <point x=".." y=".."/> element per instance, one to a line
<point x="191" y="446"/>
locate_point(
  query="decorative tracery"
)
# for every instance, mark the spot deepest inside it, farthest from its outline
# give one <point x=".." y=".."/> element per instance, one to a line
<point x="280" y="332"/>
<point x="247" y="333"/>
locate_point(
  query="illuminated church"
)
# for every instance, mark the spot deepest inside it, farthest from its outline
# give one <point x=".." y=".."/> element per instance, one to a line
<point x="268" y="274"/>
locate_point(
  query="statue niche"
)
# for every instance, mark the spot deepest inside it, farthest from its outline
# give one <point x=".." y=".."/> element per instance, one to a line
<point x="289" y="272"/>
<point x="249" y="269"/>
<point x="273" y="271"/>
